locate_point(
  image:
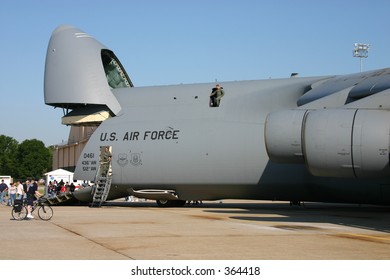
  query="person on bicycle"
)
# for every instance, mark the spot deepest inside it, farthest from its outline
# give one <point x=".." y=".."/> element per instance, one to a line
<point x="32" y="192"/>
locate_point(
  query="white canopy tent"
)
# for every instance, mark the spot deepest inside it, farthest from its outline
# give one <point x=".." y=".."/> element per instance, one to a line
<point x="58" y="175"/>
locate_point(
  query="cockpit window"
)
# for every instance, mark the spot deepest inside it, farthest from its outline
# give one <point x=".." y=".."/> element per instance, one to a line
<point x="115" y="73"/>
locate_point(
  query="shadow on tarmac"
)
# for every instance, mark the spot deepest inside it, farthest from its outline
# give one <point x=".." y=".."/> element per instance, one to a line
<point x="369" y="217"/>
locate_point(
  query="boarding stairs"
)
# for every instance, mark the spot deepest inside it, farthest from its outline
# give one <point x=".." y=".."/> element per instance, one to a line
<point x="102" y="185"/>
<point x="62" y="198"/>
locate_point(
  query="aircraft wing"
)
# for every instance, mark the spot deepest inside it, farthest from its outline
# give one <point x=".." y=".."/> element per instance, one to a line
<point x="358" y="86"/>
<point x="340" y="129"/>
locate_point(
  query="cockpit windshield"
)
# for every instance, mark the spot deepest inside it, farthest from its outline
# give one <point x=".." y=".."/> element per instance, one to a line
<point x="115" y="73"/>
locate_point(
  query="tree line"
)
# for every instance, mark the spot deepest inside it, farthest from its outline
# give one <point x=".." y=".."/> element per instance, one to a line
<point x="28" y="159"/>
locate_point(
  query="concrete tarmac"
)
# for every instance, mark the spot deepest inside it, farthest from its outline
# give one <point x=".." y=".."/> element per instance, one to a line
<point x="231" y="230"/>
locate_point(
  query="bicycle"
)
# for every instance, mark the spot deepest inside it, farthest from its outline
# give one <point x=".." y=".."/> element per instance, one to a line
<point x="19" y="211"/>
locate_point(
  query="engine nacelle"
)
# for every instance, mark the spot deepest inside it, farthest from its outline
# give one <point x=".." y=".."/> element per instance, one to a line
<point x="332" y="142"/>
<point x="283" y="136"/>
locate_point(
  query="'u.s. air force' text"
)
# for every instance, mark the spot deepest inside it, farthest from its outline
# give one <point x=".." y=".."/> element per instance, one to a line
<point x="138" y="135"/>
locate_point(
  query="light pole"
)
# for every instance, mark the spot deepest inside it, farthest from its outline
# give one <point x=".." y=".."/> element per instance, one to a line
<point x="361" y="50"/>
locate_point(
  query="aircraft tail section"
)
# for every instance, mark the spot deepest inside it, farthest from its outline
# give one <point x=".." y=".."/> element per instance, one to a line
<point x="80" y="72"/>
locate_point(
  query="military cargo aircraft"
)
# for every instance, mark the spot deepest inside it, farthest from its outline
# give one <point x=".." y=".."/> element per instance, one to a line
<point x="319" y="139"/>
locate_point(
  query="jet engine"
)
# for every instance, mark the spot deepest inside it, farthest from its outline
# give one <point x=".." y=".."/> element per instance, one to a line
<point x="331" y="142"/>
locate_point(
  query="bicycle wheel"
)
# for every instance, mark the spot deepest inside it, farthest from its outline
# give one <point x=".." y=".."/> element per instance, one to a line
<point x="19" y="215"/>
<point x="45" y="212"/>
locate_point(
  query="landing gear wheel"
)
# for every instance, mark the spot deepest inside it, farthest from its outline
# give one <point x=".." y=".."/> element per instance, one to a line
<point x="295" y="203"/>
<point x="171" y="203"/>
<point x="164" y="203"/>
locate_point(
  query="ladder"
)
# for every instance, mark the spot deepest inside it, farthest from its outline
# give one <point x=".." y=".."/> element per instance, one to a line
<point x="102" y="185"/>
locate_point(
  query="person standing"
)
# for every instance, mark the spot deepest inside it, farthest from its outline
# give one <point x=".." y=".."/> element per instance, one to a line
<point x="12" y="194"/>
<point x="3" y="191"/>
<point x="59" y="186"/>
<point x="25" y="186"/>
<point x="54" y="190"/>
<point x="105" y="161"/>
<point x="215" y="96"/>
<point x="19" y="190"/>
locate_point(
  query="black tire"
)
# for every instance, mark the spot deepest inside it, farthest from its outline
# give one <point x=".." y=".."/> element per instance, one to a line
<point x="164" y="203"/>
<point x="45" y="212"/>
<point x="171" y="203"/>
<point x="20" y="215"/>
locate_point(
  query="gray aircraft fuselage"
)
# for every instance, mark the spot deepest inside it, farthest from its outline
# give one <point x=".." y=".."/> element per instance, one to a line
<point x="168" y="138"/>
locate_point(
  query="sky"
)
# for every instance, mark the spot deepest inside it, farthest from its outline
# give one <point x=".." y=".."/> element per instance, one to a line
<point x="178" y="42"/>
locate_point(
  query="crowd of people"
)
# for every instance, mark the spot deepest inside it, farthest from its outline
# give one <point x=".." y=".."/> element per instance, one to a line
<point x="26" y="191"/>
<point x="17" y="190"/>
<point x="55" y="188"/>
